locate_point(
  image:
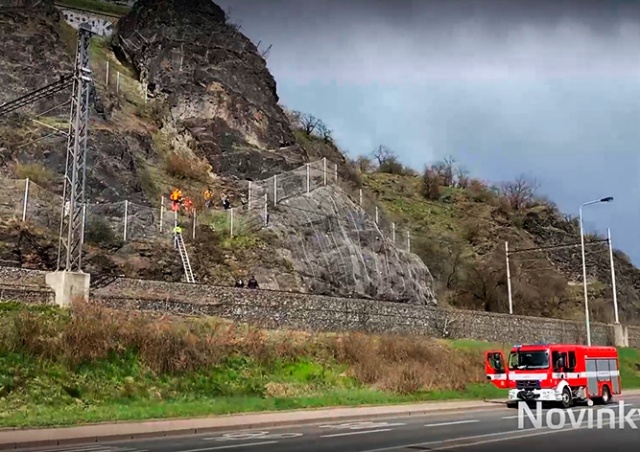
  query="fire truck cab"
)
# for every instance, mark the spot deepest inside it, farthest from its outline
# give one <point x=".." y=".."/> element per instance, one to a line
<point x="556" y="373"/>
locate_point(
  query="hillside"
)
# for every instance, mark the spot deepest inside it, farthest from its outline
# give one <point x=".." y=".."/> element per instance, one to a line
<point x="211" y="118"/>
<point x="460" y="226"/>
<point x="188" y="103"/>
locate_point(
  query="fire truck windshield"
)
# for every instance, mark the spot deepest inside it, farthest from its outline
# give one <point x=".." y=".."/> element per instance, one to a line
<point x="530" y="359"/>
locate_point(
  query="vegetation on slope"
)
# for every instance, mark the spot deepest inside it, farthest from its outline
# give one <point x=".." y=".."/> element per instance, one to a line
<point x="459" y="227"/>
<point x="93" y="364"/>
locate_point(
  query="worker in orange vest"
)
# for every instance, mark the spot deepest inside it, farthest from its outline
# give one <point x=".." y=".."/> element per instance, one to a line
<point x="208" y="197"/>
<point x="176" y="199"/>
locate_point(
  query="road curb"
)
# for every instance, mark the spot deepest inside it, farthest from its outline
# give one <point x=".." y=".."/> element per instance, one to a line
<point x="9" y="443"/>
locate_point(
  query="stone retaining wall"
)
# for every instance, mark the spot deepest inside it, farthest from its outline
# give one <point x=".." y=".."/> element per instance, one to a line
<point x="26" y="294"/>
<point x="273" y="309"/>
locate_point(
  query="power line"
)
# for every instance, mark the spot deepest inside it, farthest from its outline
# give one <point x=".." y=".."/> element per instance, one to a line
<point x="556" y="247"/>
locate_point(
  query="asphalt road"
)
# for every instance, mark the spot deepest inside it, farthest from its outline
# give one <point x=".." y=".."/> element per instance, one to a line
<point x="466" y="431"/>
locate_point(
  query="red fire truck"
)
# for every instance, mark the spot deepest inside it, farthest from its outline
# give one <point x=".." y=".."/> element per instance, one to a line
<point x="556" y="373"/>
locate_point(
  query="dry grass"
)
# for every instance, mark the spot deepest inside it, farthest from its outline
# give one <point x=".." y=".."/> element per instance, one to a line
<point x="181" y="166"/>
<point x="36" y="172"/>
<point x="173" y="346"/>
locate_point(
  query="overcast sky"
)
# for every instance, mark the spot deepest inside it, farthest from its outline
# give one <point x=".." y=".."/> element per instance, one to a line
<point x="546" y="88"/>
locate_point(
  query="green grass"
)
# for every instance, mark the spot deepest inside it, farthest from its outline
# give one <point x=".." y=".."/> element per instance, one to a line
<point x="95" y="6"/>
<point x="123" y="390"/>
<point x="44" y="382"/>
<point x="97" y="365"/>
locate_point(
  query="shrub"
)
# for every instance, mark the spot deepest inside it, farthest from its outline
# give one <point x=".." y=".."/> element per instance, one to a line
<point x="431" y="189"/>
<point x="182" y="166"/>
<point x="479" y="192"/>
<point x="173" y="346"/>
<point x="35" y="172"/>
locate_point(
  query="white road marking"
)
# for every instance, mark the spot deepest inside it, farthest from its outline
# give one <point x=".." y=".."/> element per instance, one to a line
<point x="230" y="446"/>
<point x="442" y="424"/>
<point x="358" y="432"/>
<point x="361" y="425"/>
<point x="436" y="443"/>
<point x="84" y="448"/>
<point x="245" y="436"/>
<point x="510" y="438"/>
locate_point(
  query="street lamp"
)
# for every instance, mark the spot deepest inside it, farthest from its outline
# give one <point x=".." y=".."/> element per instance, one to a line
<point x="584" y="266"/>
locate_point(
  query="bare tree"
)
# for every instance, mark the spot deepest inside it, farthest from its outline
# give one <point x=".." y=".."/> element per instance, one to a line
<point x="324" y="132"/>
<point x="448" y="171"/>
<point x="520" y="193"/>
<point x="364" y="164"/>
<point x="383" y="154"/>
<point x="462" y="177"/>
<point x="309" y="123"/>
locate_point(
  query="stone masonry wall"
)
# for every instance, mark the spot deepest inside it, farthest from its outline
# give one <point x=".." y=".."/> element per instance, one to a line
<point x="272" y="309"/>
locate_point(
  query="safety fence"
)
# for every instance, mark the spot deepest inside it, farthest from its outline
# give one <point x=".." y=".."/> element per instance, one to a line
<point x="121" y="221"/>
<point x="305" y="179"/>
<point x="126" y="220"/>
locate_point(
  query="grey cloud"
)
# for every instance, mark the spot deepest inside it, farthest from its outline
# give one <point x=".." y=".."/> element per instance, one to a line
<point x="413" y="41"/>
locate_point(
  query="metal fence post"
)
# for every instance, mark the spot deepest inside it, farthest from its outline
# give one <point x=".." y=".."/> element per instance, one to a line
<point x="26" y="200"/>
<point x="161" y="212"/>
<point x="393" y="232"/>
<point x="126" y="218"/>
<point x="308" y="178"/>
<point x="275" y="190"/>
<point x="266" y="209"/>
<point x="324" y="170"/>
<point x="231" y="222"/>
<point x="195" y="219"/>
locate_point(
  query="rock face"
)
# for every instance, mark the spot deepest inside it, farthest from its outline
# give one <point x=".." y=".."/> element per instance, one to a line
<point x="33" y="54"/>
<point x="219" y="94"/>
<point x="336" y="248"/>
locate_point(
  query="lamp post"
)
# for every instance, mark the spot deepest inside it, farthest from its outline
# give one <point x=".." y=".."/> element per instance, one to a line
<point x="584" y="266"/>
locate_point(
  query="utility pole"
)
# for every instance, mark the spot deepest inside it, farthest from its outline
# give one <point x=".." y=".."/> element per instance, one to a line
<point x="71" y="238"/>
<point x="506" y="250"/>
<point x="613" y="278"/>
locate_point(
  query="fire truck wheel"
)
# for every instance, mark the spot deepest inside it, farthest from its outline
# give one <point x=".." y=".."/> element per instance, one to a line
<point x="567" y="398"/>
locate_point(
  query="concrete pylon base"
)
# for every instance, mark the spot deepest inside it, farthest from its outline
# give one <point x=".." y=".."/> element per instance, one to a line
<point x="69" y="286"/>
<point x="621" y="335"/>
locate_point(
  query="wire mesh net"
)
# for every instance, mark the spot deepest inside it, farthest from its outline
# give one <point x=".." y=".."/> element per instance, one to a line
<point x="43" y="207"/>
<point x="12" y="198"/>
<point x="339" y="244"/>
<point x="259" y="193"/>
<point x="142" y="222"/>
<point x="104" y="223"/>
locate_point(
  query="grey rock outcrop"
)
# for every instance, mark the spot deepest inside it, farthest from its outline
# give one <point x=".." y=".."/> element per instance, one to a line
<point x="336" y="248"/>
<point x="33" y="53"/>
<point x="219" y="94"/>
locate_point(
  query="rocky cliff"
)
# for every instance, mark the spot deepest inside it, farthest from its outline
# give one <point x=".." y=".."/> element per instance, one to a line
<point x="194" y="106"/>
<point x="218" y="94"/>
<point x="27" y="28"/>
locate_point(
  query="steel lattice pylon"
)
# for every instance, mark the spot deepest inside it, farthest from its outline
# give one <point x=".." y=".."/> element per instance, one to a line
<point x="73" y="199"/>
